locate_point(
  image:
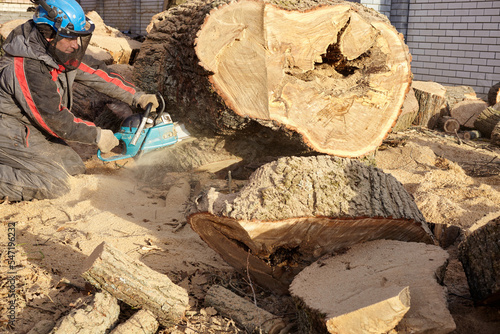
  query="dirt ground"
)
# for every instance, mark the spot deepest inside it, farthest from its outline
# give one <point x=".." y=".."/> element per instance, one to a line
<point x="452" y="183"/>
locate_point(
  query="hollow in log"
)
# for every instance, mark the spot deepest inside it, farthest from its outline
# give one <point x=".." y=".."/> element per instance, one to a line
<point x="295" y="210"/>
<point x="480" y="257"/>
<point x="136" y="284"/>
<point x="331" y="74"/>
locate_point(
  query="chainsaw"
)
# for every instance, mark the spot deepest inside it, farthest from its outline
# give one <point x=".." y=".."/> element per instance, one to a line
<point x="140" y="134"/>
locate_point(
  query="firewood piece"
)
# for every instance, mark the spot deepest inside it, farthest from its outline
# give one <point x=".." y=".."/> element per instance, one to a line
<point x="296" y="209"/>
<point x="332" y="74"/>
<point x="494" y="94"/>
<point x="142" y="322"/>
<point x="487" y="120"/>
<point x="244" y="312"/>
<point x="93" y="318"/>
<point x="495" y="135"/>
<point x="455" y="94"/>
<point x="431" y="99"/>
<point x="134" y="283"/>
<point x="365" y="290"/>
<point x="480" y="257"/>
<point x="408" y="112"/>
<point x="449" y="124"/>
<point x="467" y="111"/>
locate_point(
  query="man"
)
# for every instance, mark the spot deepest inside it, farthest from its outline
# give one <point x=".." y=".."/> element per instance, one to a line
<point x="43" y="57"/>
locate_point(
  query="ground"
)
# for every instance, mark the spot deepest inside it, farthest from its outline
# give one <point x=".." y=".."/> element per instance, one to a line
<point x="454" y="182"/>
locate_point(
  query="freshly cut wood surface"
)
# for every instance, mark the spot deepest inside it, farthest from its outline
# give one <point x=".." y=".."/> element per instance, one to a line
<point x="449" y="124"/>
<point x="334" y="72"/>
<point x="467" y="111"/>
<point x="295" y="210"/>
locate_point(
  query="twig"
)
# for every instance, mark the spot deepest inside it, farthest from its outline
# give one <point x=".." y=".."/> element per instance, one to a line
<point x="460" y="142"/>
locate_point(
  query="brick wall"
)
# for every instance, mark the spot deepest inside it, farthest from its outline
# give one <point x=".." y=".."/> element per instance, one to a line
<point x="382" y="6"/>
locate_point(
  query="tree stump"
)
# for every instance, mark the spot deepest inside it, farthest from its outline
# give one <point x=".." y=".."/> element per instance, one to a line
<point x="135" y="283"/>
<point x="295" y="210"/>
<point x="466" y="112"/>
<point x="487" y="120"/>
<point x="408" y="112"/>
<point x="431" y="99"/>
<point x="331" y="74"/>
<point x="369" y="289"/>
<point x="480" y="257"/>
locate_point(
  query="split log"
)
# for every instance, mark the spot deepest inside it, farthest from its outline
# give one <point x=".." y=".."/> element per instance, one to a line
<point x="467" y="111"/>
<point x="136" y="284"/>
<point x="408" y="112"/>
<point x="93" y="318"/>
<point x="431" y="99"/>
<point x="244" y="312"/>
<point x="295" y="210"/>
<point x="480" y="257"/>
<point x="495" y="135"/>
<point x="449" y="124"/>
<point x="487" y="120"/>
<point x="494" y="94"/>
<point x="142" y="322"/>
<point x="368" y="289"/>
<point x="331" y="74"/>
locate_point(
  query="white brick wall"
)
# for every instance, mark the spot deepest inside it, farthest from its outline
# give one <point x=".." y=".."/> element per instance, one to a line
<point x="382" y="6"/>
<point x="455" y="42"/>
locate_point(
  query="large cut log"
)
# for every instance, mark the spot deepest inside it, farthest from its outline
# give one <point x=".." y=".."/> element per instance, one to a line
<point x="254" y="319"/>
<point x="467" y="111"/>
<point x="487" y="120"/>
<point x="495" y="135"/>
<point x="331" y="74"/>
<point x="480" y="257"/>
<point x="455" y="94"/>
<point x="295" y="210"/>
<point x="136" y="284"/>
<point x="93" y="318"/>
<point x="142" y="322"/>
<point x="431" y="99"/>
<point x="494" y="94"/>
<point x="408" y="112"/>
<point x="369" y="289"/>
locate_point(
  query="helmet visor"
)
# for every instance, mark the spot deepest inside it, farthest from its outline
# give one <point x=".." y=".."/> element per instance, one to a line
<point x="69" y="31"/>
<point x="69" y="51"/>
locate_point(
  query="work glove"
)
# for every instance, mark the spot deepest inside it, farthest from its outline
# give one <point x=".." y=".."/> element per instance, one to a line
<point x="107" y="141"/>
<point x="145" y="99"/>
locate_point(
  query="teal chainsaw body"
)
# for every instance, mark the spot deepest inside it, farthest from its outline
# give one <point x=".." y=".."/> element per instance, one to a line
<point x="141" y="134"/>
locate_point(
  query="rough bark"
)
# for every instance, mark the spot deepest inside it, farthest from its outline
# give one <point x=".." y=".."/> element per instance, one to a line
<point x="467" y="111"/>
<point x="244" y="312"/>
<point x="495" y="135"/>
<point x="449" y="124"/>
<point x="487" y="120"/>
<point x="431" y="99"/>
<point x="142" y="322"/>
<point x="299" y="67"/>
<point x="295" y="210"/>
<point x="135" y="283"/>
<point x="369" y="288"/>
<point x="408" y="112"/>
<point x="94" y="318"/>
<point x="494" y="94"/>
<point x="480" y="257"/>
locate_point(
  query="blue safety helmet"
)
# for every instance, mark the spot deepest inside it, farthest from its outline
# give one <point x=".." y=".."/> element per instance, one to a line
<point x="65" y="17"/>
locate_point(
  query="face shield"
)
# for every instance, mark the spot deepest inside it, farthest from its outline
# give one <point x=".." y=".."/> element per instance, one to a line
<point x="68" y="46"/>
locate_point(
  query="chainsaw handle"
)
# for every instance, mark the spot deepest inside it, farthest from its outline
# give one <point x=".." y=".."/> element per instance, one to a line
<point x="143" y="123"/>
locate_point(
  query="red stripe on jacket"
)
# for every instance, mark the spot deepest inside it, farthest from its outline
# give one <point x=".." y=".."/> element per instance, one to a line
<point x="106" y="77"/>
<point x="21" y="77"/>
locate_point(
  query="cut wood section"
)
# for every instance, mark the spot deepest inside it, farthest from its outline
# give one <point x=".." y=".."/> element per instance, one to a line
<point x="455" y="94"/>
<point x="334" y="72"/>
<point x="431" y="99"/>
<point x="408" y="112"/>
<point x="467" y="111"/>
<point x="95" y="317"/>
<point x="449" y="124"/>
<point x="295" y="210"/>
<point x="369" y="289"/>
<point x="254" y="319"/>
<point x="136" y="284"/>
<point x="142" y="322"/>
<point x="487" y="120"/>
<point x="494" y="94"/>
<point x="480" y="257"/>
